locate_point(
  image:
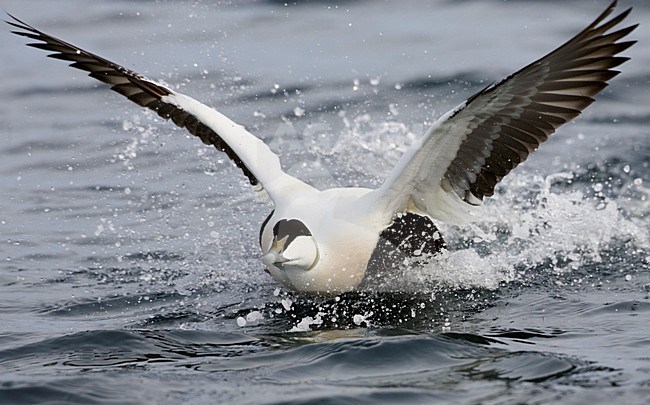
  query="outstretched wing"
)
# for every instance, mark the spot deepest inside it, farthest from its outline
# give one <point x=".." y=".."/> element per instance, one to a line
<point x="249" y="153"/>
<point x="470" y="149"/>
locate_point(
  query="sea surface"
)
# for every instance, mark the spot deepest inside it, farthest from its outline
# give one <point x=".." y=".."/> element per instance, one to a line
<point x="129" y="264"/>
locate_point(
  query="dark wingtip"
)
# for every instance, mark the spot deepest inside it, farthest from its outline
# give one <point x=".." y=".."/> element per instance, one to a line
<point x="13" y="17"/>
<point x="625" y="13"/>
<point x="20" y="24"/>
<point x="13" y="24"/>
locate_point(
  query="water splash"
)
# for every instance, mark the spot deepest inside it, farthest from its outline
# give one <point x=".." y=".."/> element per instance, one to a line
<point x="554" y="224"/>
<point x="142" y="134"/>
<point x="561" y="222"/>
<point x="534" y="226"/>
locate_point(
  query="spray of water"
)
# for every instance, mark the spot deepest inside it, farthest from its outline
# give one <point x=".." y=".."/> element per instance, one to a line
<point x="553" y="224"/>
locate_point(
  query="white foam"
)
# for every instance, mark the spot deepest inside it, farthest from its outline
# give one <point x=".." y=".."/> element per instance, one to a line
<point x="530" y="223"/>
<point x="304" y="325"/>
<point x="563" y="228"/>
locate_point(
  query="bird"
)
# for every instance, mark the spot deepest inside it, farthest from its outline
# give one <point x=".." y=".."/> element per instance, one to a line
<point x="333" y="241"/>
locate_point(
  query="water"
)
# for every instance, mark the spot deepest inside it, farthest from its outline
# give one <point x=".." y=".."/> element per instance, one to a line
<point x="130" y="271"/>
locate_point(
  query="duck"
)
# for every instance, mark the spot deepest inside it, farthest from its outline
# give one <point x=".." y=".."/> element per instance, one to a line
<point x="333" y="241"/>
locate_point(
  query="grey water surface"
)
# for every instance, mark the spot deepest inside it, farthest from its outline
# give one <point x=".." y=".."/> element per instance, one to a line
<point x="129" y="265"/>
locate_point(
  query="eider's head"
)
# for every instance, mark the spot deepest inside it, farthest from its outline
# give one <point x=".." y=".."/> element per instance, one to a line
<point x="321" y="257"/>
<point x="292" y="247"/>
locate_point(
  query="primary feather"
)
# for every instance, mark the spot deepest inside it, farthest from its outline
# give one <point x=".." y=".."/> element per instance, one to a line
<point x="257" y="162"/>
<point x="463" y="156"/>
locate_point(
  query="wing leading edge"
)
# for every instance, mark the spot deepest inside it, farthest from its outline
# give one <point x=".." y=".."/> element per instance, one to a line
<point x="258" y="163"/>
<point x="470" y="149"/>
